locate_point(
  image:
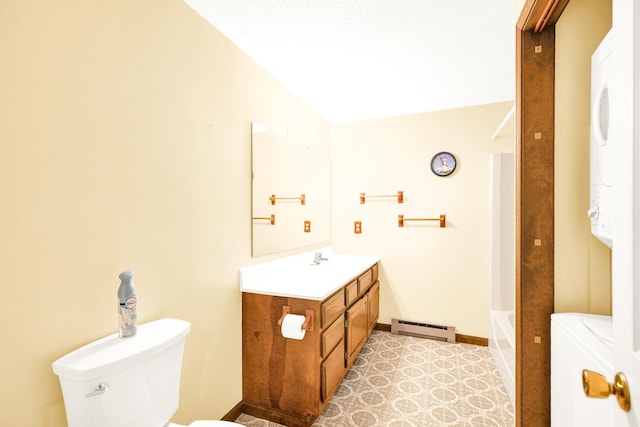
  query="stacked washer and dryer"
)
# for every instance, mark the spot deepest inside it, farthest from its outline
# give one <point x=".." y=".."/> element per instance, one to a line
<point x="585" y="341"/>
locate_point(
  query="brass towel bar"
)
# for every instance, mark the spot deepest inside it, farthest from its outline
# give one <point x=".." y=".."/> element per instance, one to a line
<point x="271" y="219"/>
<point x="399" y="196"/>
<point x="442" y="219"/>
<point x="302" y="199"/>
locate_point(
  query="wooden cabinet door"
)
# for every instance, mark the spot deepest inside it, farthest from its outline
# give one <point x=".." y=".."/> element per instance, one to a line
<point x="373" y="305"/>
<point x="332" y="372"/>
<point x="357" y="329"/>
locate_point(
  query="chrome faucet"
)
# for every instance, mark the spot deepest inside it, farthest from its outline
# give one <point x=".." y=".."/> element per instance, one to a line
<point x="318" y="258"/>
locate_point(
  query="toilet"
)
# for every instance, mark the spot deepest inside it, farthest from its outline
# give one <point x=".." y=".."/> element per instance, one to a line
<point x="127" y="382"/>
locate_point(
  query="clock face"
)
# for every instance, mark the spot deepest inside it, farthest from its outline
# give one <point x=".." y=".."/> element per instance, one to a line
<point x="443" y="163"/>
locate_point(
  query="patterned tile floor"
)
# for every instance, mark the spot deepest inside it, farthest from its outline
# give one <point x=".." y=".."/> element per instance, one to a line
<point x="402" y="381"/>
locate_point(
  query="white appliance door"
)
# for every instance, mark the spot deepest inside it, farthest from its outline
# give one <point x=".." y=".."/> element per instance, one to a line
<point x="626" y="247"/>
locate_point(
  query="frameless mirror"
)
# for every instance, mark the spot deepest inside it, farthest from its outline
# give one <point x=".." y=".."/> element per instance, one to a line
<point x="291" y="203"/>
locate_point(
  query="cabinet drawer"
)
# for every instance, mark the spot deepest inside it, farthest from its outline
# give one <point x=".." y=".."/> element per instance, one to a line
<point x="332" y="308"/>
<point x="332" y="372"/>
<point x="374" y="272"/>
<point x="351" y="292"/>
<point x="364" y="281"/>
<point x="332" y="336"/>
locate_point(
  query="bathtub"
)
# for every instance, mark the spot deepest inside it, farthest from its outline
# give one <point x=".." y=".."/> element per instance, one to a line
<point x="503" y="348"/>
<point x="502" y="278"/>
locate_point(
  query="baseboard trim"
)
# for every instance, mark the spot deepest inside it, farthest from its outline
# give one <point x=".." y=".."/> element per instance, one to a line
<point x="460" y="338"/>
<point x="270" y="414"/>
<point x="468" y="339"/>
<point x="382" y="327"/>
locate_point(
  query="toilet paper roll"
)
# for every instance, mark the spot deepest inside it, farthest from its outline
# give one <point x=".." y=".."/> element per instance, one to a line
<point x="292" y="326"/>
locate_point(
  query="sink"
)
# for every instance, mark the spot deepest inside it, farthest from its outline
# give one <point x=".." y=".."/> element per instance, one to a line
<point x="298" y="277"/>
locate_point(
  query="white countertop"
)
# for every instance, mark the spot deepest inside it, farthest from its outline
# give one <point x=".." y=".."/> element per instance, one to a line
<point x="298" y="277"/>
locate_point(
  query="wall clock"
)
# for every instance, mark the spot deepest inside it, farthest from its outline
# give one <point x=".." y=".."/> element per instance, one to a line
<point x="443" y="163"/>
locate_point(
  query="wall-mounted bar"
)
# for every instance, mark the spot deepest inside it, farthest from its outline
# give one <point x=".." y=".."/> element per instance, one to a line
<point x="302" y="199"/>
<point x="399" y="196"/>
<point x="307" y="226"/>
<point x="271" y="219"/>
<point x="357" y="227"/>
<point x="442" y="219"/>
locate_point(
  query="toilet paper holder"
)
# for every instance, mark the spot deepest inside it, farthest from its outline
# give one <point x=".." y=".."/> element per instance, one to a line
<point x="309" y="317"/>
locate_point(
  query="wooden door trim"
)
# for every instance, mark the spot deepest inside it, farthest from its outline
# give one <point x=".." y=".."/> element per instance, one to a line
<point x="534" y="226"/>
<point x="535" y="100"/>
<point x="536" y="15"/>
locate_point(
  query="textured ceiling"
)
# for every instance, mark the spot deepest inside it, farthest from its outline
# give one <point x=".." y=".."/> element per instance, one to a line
<point x="361" y="59"/>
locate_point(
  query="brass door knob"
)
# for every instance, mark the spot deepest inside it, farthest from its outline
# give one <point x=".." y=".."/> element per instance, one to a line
<point x="596" y="385"/>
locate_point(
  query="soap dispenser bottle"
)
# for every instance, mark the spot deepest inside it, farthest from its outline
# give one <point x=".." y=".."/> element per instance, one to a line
<point x="127" y="317"/>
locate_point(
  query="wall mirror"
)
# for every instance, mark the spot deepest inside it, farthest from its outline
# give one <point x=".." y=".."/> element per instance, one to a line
<point x="291" y="185"/>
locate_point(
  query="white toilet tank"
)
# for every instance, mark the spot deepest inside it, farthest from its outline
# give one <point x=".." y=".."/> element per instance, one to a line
<point x="125" y="382"/>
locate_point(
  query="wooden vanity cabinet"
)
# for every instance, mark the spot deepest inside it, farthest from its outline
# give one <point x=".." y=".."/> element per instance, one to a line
<point x="291" y="381"/>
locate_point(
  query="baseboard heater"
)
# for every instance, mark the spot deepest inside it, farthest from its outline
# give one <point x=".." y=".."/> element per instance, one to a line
<point x="423" y="330"/>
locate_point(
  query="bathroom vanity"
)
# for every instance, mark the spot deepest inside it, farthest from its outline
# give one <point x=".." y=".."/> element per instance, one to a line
<point x="290" y="381"/>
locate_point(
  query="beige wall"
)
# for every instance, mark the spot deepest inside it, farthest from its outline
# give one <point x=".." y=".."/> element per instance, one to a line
<point x="429" y="274"/>
<point x="124" y="138"/>
<point x="582" y="263"/>
<point x="125" y="143"/>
